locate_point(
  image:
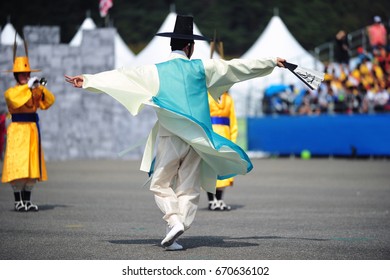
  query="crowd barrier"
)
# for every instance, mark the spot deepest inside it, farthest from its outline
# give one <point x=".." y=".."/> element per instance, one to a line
<point x="322" y="135"/>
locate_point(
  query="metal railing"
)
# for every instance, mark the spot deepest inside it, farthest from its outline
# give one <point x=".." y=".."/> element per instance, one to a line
<point x="356" y="39"/>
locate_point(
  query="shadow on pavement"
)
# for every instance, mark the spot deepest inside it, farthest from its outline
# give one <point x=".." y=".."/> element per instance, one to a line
<point x="213" y="241"/>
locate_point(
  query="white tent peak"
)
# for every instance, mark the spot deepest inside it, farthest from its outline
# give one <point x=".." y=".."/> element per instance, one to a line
<point x="276" y="40"/>
<point x="159" y="49"/>
<point x="172" y="8"/>
<point x="88" y="24"/>
<point x="8" y="35"/>
<point x="123" y="54"/>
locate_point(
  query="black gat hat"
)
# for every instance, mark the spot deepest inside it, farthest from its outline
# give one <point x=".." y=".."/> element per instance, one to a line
<point x="183" y="30"/>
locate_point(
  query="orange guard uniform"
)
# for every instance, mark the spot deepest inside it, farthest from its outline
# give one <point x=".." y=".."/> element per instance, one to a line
<point x="223" y="118"/>
<point x="24" y="157"/>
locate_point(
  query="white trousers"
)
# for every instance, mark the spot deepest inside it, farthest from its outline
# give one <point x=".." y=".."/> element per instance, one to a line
<point x="176" y="180"/>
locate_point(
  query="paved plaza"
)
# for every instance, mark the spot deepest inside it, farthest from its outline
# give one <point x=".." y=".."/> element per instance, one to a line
<point x="285" y="209"/>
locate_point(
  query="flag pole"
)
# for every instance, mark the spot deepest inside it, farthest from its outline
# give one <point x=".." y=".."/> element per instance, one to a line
<point x="107" y="19"/>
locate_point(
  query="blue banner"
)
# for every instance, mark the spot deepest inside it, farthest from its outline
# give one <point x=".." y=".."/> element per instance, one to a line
<point x="338" y="135"/>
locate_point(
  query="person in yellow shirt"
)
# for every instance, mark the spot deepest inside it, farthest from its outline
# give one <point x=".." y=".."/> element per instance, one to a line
<point x="224" y="122"/>
<point x="24" y="162"/>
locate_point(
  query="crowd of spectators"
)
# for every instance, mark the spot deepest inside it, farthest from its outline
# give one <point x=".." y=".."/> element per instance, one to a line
<point x="360" y="85"/>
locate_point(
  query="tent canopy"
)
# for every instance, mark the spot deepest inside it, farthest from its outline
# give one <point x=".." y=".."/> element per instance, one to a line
<point x="8" y="35"/>
<point x="277" y="41"/>
<point x="88" y="24"/>
<point x="159" y="48"/>
<point x="123" y="55"/>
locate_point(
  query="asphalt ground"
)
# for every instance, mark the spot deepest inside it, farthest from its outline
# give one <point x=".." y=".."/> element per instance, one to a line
<point x="285" y="209"/>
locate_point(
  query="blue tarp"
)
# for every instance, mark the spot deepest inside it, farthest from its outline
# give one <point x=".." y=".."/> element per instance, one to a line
<point x="275" y="89"/>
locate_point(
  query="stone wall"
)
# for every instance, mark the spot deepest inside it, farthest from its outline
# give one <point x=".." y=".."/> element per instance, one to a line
<point x="80" y="125"/>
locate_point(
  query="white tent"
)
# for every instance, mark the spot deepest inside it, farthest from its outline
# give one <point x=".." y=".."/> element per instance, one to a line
<point x="275" y="41"/>
<point x="123" y="55"/>
<point x="8" y="35"/>
<point x="159" y="49"/>
<point x="87" y="24"/>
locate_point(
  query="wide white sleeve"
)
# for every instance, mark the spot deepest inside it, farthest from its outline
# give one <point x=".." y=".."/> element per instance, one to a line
<point x="221" y="74"/>
<point x="132" y="87"/>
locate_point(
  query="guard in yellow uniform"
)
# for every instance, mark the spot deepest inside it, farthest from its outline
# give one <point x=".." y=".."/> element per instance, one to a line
<point x="24" y="162"/>
<point x="224" y="121"/>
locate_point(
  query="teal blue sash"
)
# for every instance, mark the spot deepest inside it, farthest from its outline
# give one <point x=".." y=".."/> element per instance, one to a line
<point x="183" y="91"/>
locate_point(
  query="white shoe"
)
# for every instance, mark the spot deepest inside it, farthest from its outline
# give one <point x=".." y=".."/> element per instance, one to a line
<point x="174" y="247"/>
<point x="223" y="206"/>
<point x="30" y="206"/>
<point x="20" y="207"/>
<point x="214" y="205"/>
<point x="172" y="235"/>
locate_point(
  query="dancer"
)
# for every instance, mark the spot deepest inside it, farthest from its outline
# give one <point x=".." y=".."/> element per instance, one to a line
<point x="189" y="154"/>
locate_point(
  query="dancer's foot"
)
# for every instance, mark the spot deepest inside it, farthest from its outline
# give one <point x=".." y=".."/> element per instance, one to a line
<point x="174" y="247"/>
<point x="173" y="234"/>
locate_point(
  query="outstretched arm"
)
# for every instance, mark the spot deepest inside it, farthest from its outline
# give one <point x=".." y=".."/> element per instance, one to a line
<point x="222" y="74"/>
<point x="132" y="87"/>
<point x="76" y="81"/>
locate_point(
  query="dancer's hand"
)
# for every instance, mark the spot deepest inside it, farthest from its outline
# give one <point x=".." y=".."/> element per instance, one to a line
<point x="76" y="81"/>
<point x="280" y="62"/>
